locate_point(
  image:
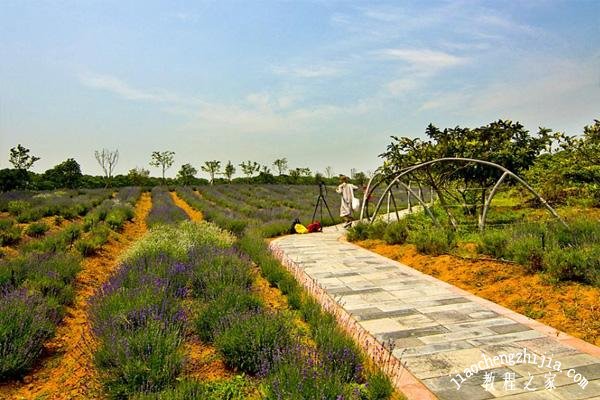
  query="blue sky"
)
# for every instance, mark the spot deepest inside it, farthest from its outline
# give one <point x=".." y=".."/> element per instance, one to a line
<point x="323" y="83"/>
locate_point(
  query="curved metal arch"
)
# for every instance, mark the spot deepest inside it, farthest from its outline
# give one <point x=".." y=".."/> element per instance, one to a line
<point x="506" y="173"/>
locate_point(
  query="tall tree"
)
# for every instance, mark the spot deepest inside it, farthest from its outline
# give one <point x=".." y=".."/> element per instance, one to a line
<point x="212" y="167"/>
<point x="360" y="178"/>
<point x="163" y="159"/>
<point x="108" y="160"/>
<point x="186" y="174"/>
<point x="19" y="177"/>
<point x="20" y="158"/>
<point x="501" y="142"/>
<point x="572" y="170"/>
<point x="265" y="170"/>
<point x="249" y="168"/>
<point x="229" y="171"/>
<point x="64" y="175"/>
<point x="138" y="176"/>
<point x="281" y="164"/>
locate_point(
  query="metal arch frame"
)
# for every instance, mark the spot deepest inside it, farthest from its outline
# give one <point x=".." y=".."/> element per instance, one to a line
<point x="405" y="171"/>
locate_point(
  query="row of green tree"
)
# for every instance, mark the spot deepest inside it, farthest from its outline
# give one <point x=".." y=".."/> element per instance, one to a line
<point x="559" y="167"/>
<point x="68" y="173"/>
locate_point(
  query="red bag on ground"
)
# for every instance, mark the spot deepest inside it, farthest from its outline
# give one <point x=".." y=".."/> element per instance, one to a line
<point x="315" y="227"/>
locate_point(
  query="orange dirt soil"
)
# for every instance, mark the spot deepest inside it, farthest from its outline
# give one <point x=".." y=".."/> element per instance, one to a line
<point x="67" y="370"/>
<point x="194" y="214"/>
<point x="569" y="307"/>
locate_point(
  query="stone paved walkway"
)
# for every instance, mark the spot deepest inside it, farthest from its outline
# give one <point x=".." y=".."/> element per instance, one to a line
<point x="436" y="334"/>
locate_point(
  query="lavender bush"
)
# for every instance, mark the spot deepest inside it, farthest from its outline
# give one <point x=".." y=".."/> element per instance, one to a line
<point x="26" y="324"/>
<point x="164" y="211"/>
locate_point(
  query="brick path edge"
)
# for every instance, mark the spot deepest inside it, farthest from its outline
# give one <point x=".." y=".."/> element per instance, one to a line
<point x="400" y="377"/>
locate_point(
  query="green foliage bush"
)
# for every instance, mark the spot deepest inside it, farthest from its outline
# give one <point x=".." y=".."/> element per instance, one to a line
<point x="117" y="217"/>
<point x="177" y="240"/>
<point x="574" y="264"/>
<point x="301" y="374"/>
<point x="91" y="244"/>
<point x="219" y="313"/>
<point x="378" y="386"/>
<point x="9" y="232"/>
<point x="359" y="231"/>
<point x="26" y="324"/>
<point x="213" y="275"/>
<point x="16" y="207"/>
<point x="528" y="251"/>
<point x="493" y="242"/>
<point x="48" y="274"/>
<point x="236" y="388"/>
<point x="434" y="240"/>
<point x="144" y="360"/>
<point x="254" y="341"/>
<point x="58" y="241"/>
<point x="36" y="229"/>
<point x="396" y="232"/>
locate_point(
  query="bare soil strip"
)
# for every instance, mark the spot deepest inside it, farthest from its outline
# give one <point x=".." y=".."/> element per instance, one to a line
<point x="194" y="214"/>
<point x="569" y="307"/>
<point x="67" y="369"/>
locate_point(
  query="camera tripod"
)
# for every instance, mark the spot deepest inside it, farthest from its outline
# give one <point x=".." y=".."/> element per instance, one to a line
<point x="320" y="201"/>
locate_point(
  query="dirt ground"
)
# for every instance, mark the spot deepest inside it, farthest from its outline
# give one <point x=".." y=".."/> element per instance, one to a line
<point x="569" y="307"/>
<point x="66" y="370"/>
<point x="194" y="214"/>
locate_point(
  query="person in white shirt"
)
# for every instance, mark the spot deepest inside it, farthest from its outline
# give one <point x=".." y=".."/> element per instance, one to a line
<point x="347" y="191"/>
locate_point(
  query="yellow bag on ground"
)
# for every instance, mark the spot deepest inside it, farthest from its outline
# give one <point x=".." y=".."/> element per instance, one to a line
<point x="299" y="228"/>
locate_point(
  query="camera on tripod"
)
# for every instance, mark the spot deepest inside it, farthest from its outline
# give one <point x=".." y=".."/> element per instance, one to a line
<point x="320" y="201"/>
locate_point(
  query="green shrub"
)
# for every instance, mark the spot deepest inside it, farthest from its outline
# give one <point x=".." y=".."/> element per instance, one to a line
<point x="340" y="349"/>
<point x="378" y="386"/>
<point x="212" y="275"/>
<point x="144" y="360"/>
<point x="26" y="325"/>
<point x="218" y="314"/>
<point x="494" y="242"/>
<point x="376" y="230"/>
<point x="91" y="244"/>
<point x="9" y="232"/>
<point x="37" y="229"/>
<point x="176" y="241"/>
<point x="29" y="215"/>
<point x="396" y="232"/>
<point x="433" y="240"/>
<point x="251" y="344"/>
<point x="236" y="388"/>
<point x="117" y="217"/>
<point x="574" y="264"/>
<point x="16" y="207"/>
<point x="302" y="374"/>
<point x="359" y="231"/>
<point x="527" y="251"/>
<point x="49" y="274"/>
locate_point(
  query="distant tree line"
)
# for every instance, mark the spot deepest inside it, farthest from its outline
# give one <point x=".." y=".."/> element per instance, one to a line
<point x="68" y="173"/>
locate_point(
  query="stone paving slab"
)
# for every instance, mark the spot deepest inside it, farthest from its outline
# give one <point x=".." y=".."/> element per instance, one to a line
<point x="438" y="341"/>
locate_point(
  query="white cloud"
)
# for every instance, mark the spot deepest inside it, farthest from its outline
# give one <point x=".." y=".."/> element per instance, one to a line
<point x="120" y="88"/>
<point x="401" y="86"/>
<point x="424" y="58"/>
<point x="309" y="71"/>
